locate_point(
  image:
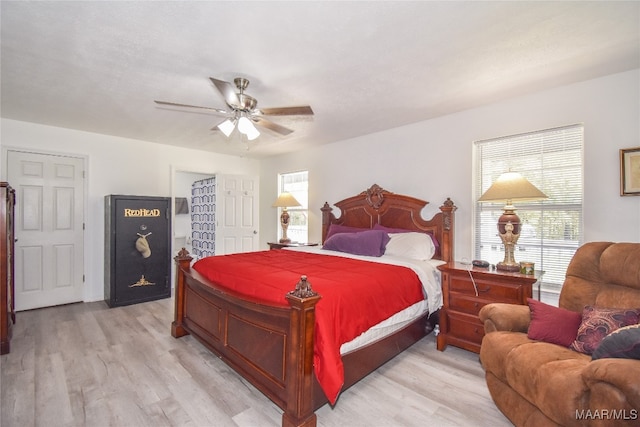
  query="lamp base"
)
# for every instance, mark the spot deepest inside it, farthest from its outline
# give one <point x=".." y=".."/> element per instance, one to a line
<point x="284" y="222"/>
<point x="509" y="232"/>
<point x="503" y="266"/>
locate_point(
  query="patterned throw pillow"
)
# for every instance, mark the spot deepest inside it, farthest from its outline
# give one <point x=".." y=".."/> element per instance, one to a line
<point x="597" y="323"/>
<point x="623" y="343"/>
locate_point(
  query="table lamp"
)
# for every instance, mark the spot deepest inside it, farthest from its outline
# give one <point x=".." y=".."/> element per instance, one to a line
<point x="508" y="187"/>
<point x="285" y="200"/>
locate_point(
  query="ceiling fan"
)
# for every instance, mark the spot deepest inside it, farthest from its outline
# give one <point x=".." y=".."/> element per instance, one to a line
<point x="243" y="113"/>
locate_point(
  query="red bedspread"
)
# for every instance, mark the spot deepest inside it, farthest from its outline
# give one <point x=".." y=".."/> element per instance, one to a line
<point x="356" y="295"/>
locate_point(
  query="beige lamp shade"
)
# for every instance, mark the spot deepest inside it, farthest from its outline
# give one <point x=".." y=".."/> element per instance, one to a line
<point x="285" y="200"/>
<point x="511" y="186"/>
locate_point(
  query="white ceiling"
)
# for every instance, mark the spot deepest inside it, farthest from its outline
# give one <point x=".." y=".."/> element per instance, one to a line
<point x="362" y="66"/>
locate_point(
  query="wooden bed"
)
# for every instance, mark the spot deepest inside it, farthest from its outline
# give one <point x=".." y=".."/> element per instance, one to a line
<point x="272" y="346"/>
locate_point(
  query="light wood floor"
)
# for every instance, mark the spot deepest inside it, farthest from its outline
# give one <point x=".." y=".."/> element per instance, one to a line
<point x="89" y="365"/>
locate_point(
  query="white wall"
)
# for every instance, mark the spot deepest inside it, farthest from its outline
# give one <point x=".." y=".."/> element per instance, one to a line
<point x="116" y="166"/>
<point x="432" y="160"/>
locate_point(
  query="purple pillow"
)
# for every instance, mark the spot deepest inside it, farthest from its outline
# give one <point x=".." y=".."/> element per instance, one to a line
<point x="369" y="242"/>
<point x="552" y="324"/>
<point x="623" y="343"/>
<point x="337" y="228"/>
<point x="404" y="230"/>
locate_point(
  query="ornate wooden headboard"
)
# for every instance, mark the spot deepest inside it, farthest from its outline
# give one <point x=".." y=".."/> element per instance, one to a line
<point x="378" y="206"/>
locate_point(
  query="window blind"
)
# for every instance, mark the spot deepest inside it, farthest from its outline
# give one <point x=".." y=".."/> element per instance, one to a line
<point x="297" y="183"/>
<point x="551" y="229"/>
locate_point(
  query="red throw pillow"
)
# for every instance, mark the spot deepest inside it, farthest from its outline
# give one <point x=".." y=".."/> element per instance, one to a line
<point x="597" y="323"/>
<point x="552" y="324"/>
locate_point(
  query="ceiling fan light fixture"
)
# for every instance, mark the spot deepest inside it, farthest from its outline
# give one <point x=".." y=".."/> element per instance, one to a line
<point x="247" y="127"/>
<point x="242" y="111"/>
<point x="227" y="127"/>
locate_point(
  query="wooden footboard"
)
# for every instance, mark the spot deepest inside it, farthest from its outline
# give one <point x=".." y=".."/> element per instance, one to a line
<point x="272" y="347"/>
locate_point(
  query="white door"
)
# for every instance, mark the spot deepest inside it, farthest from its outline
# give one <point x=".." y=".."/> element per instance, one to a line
<point x="237" y="214"/>
<point x="48" y="228"/>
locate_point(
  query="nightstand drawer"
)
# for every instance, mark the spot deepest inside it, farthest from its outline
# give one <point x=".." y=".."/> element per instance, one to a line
<point x="466" y="303"/>
<point x="465" y="327"/>
<point x="486" y="289"/>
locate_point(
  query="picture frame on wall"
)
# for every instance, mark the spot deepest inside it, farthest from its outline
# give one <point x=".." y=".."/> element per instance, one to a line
<point x="630" y="171"/>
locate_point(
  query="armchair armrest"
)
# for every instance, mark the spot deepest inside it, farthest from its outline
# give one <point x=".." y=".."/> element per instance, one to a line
<point x="505" y="317"/>
<point x="621" y="374"/>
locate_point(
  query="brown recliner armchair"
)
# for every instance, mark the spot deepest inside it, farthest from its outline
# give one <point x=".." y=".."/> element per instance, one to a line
<point x="537" y="383"/>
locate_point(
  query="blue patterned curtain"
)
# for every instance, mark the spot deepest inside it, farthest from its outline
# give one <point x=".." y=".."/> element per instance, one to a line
<point x="203" y="217"/>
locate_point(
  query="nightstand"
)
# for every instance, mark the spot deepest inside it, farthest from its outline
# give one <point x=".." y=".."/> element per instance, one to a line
<point x="276" y="245"/>
<point x="459" y="322"/>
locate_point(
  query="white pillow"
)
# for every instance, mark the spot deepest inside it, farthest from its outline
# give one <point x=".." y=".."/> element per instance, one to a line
<point x="417" y="246"/>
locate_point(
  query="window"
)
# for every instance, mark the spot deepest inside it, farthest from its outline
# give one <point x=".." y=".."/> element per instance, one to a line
<point x="296" y="183"/>
<point x="551" y="229"/>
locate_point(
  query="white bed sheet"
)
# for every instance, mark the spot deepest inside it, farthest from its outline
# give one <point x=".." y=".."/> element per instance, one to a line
<point x="429" y="276"/>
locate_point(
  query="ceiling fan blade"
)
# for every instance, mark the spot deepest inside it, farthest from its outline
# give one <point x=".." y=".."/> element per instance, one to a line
<point x="228" y="92"/>
<point x="287" y="111"/>
<point x="174" y="104"/>
<point x="271" y="125"/>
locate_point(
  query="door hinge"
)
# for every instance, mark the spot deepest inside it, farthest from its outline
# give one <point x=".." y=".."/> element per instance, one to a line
<point x="83" y="278"/>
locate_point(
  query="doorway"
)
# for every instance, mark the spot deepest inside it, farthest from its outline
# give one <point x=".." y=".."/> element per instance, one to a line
<point x="236" y="211"/>
<point x="182" y="222"/>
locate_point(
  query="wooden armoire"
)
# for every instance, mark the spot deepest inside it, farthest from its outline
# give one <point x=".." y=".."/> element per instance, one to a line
<point x="7" y="239"/>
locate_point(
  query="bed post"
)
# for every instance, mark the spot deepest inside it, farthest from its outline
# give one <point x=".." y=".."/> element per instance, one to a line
<point x="183" y="260"/>
<point x="299" y="410"/>
<point x="326" y="219"/>
<point x="447" y="209"/>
